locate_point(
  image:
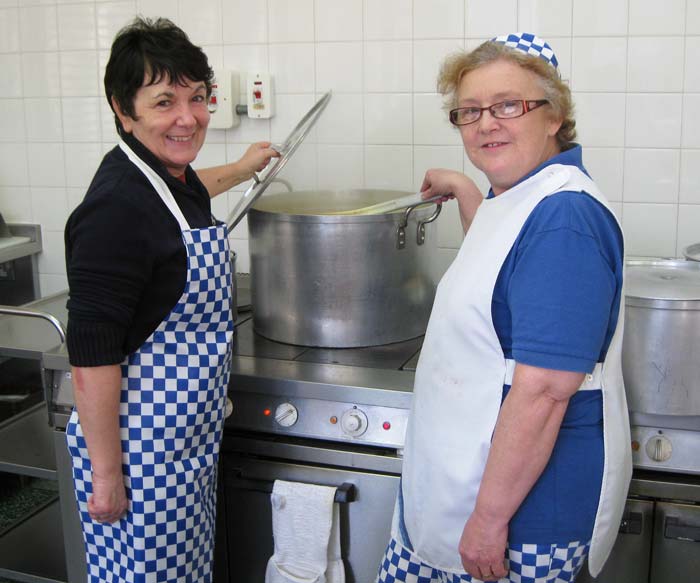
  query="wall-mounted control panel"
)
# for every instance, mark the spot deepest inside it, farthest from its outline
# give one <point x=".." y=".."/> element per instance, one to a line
<point x="259" y="96"/>
<point x="223" y="100"/>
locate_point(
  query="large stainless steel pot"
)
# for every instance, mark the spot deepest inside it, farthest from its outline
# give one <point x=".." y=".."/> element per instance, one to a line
<point x="661" y="346"/>
<point x="319" y="279"/>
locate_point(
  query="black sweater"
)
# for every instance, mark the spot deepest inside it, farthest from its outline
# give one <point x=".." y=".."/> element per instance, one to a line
<point x="125" y="258"/>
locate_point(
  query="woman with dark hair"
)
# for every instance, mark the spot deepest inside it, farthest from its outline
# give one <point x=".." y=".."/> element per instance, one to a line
<point x="150" y="323"/>
<point x="517" y="456"/>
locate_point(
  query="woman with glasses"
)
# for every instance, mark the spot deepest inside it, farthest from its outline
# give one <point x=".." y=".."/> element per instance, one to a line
<point x="517" y="458"/>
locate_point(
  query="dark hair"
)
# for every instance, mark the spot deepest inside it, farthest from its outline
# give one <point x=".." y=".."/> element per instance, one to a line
<point x="145" y="52"/>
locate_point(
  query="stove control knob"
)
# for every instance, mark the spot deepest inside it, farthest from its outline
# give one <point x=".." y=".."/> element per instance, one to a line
<point x="286" y="414"/>
<point x="659" y="448"/>
<point x="354" y="422"/>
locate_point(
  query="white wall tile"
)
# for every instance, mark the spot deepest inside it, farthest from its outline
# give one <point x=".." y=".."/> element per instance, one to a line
<point x="9" y="30"/>
<point x="600" y="17"/>
<point x="655" y="64"/>
<point x="301" y="169"/>
<point x="50" y="207"/>
<point x="600" y="119"/>
<point x="82" y="161"/>
<point x="13" y="164"/>
<point x="449" y="226"/>
<point x="76" y="27"/>
<point x="690" y="177"/>
<point x="388" y="118"/>
<point x="255" y="130"/>
<point x="563" y="50"/>
<point x="339" y="67"/>
<point x="430" y="123"/>
<point x="108" y="129"/>
<point x="438" y="19"/>
<point x="201" y="20"/>
<point x="50" y="284"/>
<point x="244" y="22"/>
<point x="599" y="64"/>
<point x="247" y="58"/>
<point x="338" y="20"/>
<point x="428" y="56"/>
<point x="15" y="202"/>
<point x="692" y="17"/>
<point x="12" y="112"/>
<point x="389" y="167"/>
<point x="388" y="19"/>
<point x="241" y="248"/>
<point x="649" y="17"/>
<point x="38" y="28"/>
<point x="545" y="17"/>
<point x="41" y="75"/>
<point x="691" y="120"/>
<point x="290" y="109"/>
<point x="75" y="197"/>
<point x="489" y="18"/>
<point x="342" y="120"/>
<point x="653" y="120"/>
<point x="650" y="229"/>
<point x="81" y="119"/>
<point x="52" y="260"/>
<point x="388" y="66"/>
<point x="158" y="9"/>
<point x="291" y="20"/>
<point x="651" y="175"/>
<point x="692" y="58"/>
<point x="605" y="166"/>
<point x="340" y="167"/>
<point x="688" y="226"/>
<point x="111" y="17"/>
<point x="11" y="79"/>
<point x="293" y="67"/>
<point x="44" y="120"/>
<point x="616" y="208"/>
<point x="79" y="73"/>
<point x="46" y="164"/>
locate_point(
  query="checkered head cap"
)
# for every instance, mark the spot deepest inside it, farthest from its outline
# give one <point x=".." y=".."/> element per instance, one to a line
<point x="529" y="44"/>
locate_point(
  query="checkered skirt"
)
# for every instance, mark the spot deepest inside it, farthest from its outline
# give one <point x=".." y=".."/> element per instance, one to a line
<point x="171" y="418"/>
<point x="528" y="563"/>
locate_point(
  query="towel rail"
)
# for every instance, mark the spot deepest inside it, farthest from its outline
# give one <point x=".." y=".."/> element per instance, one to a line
<point x="344" y="494"/>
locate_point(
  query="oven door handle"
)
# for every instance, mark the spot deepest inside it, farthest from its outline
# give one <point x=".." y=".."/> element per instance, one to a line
<point x="344" y="494"/>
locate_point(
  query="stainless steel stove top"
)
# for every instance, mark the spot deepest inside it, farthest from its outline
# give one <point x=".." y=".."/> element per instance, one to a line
<point x="356" y="395"/>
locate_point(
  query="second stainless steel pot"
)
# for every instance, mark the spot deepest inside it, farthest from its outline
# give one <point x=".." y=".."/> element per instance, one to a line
<point x="661" y="347"/>
<point x="319" y="279"/>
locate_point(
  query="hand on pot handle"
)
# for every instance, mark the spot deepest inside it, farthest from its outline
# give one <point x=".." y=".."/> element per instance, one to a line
<point x="452" y="184"/>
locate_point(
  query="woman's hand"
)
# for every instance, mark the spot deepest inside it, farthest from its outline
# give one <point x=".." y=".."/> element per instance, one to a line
<point x="452" y="184"/>
<point x="482" y="548"/>
<point x="256" y="158"/>
<point x="107" y="503"/>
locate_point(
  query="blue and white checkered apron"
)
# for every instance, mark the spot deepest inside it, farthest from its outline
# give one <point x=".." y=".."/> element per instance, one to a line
<point x="171" y="417"/>
<point x="528" y="563"/>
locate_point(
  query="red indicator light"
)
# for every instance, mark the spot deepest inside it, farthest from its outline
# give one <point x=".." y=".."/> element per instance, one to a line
<point x="267" y="412"/>
<point x="386" y="425"/>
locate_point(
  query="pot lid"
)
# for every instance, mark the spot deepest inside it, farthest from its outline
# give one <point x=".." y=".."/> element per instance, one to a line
<point x="662" y="280"/>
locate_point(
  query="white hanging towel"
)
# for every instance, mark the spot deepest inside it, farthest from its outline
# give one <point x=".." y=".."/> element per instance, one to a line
<point x="305" y="527"/>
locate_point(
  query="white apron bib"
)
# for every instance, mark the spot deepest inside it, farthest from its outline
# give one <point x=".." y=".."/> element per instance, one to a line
<point x="171" y="419"/>
<point x="459" y="384"/>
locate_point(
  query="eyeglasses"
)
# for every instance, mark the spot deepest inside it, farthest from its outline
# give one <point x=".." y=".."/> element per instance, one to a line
<point x="503" y="110"/>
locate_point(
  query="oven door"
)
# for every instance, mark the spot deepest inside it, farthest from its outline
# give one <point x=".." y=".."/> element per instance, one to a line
<point x="676" y="551"/>
<point x="365" y="521"/>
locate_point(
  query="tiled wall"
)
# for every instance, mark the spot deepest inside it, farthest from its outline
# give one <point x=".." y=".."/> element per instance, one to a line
<point x="632" y="65"/>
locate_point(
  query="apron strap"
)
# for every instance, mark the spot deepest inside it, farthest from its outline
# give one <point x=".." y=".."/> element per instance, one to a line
<point x="158" y="184"/>
<point x="592" y="382"/>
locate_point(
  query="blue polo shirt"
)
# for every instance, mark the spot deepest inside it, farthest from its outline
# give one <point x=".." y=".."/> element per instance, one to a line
<point x="555" y="306"/>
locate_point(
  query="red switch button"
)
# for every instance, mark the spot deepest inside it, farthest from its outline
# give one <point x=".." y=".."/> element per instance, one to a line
<point x="257" y="94"/>
<point x="386" y="425"/>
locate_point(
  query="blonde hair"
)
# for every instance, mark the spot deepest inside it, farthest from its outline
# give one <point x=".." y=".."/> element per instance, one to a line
<point x="457" y="65"/>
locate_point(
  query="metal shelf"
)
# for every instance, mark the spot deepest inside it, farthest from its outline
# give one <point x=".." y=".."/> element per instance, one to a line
<point x="32" y="551"/>
<point x="26" y="444"/>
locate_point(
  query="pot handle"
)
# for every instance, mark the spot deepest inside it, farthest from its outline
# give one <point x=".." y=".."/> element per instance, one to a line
<point x="420" y="232"/>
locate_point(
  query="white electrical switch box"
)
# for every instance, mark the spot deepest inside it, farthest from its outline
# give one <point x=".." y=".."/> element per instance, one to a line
<point x="259" y="96"/>
<point x="223" y="100"/>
